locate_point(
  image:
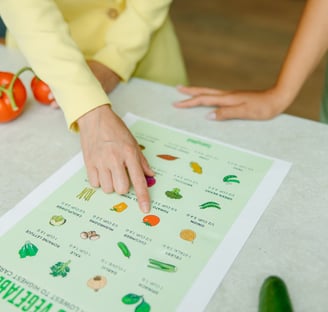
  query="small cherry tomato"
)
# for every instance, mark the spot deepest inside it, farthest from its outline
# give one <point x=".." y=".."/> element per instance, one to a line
<point x="41" y="91"/>
<point x="12" y="101"/>
<point x="151" y="220"/>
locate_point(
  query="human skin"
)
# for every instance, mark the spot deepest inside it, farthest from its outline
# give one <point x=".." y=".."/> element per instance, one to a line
<point x="112" y="156"/>
<point x="307" y="48"/>
<point x="44" y="37"/>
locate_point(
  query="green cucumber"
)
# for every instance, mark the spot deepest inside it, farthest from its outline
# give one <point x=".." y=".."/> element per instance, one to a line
<point x="274" y="296"/>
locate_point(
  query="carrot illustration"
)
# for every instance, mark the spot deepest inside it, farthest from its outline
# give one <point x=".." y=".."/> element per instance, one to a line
<point x="167" y="157"/>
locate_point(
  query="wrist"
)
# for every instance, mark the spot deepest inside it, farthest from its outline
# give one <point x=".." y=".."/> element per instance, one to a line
<point x="285" y="96"/>
<point x="93" y="116"/>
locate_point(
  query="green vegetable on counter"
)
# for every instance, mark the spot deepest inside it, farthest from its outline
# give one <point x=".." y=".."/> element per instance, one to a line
<point x="274" y="296"/>
<point x="28" y="249"/>
<point x="60" y="269"/>
<point x="175" y="193"/>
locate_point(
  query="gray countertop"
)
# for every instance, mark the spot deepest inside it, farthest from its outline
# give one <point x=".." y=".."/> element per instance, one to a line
<point x="289" y="240"/>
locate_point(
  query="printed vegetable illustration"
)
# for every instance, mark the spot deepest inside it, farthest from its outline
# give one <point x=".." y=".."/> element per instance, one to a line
<point x="231" y="179"/>
<point x="41" y="91"/>
<point x="143" y="307"/>
<point x="167" y="157"/>
<point x="60" y="269"/>
<point x="13" y="95"/>
<point x="150" y="181"/>
<point x="274" y="296"/>
<point x="57" y="220"/>
<point x="28" y="250"/>
<point x="125" y="250"/>
<point x="130" y="299"/>
<point x="174" y="194"/>
<point x="188" y="235"/>
<point x="210" y="204"/>
<point x="92" y="235"/>
<point x="151" y="220"/>
<point x="162" y="266"/>
<point x="120" y="207"/>
<point x="196" y="167"/>
<point x="97" y="282"/>
<point x="86" y="193"/>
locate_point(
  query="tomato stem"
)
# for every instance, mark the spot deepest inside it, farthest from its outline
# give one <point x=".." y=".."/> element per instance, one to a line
<point x="26" y="68"/>
<point x="9" y="91"/>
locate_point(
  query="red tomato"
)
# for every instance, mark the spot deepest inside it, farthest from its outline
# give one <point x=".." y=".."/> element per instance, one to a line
<point x="7" y="112"/>
<point x="41" y="91"/>
<point x="151" y="220"/>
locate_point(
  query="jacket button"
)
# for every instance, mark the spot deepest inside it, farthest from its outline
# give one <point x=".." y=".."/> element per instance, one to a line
<point x="112" y="13"/>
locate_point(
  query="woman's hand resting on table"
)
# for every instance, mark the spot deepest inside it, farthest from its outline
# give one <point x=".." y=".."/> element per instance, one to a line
<point x="112" y="156"/>
<point x="260" y="105"/>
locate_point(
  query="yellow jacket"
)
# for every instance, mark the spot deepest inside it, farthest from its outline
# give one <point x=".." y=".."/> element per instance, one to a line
<point x="132" y="37"/>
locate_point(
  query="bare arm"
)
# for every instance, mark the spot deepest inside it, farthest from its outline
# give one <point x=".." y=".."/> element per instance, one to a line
<point x="308" y="46"/>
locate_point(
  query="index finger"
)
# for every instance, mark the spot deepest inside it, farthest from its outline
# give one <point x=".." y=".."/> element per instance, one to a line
<point x="138" y="180"/>
<point x="190" y="90"/>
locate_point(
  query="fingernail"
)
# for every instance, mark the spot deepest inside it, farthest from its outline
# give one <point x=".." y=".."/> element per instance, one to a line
<point x="145" y="207"/>
<point x="211" y="116"/>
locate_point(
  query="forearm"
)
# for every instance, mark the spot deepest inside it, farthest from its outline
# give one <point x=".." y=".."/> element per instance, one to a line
<point x="308" y="46"/>
<point x="44" y="39"/>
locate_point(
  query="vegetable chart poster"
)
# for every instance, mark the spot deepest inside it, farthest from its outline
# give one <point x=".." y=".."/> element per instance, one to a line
<point x="68" y="247"/>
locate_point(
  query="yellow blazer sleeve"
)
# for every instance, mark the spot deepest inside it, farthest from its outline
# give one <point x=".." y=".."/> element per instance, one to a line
<point x="128" y="39"/>
<point x="42" y="35"/>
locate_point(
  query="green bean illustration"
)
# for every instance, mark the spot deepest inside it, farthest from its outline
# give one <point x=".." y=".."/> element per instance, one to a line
<point x="125" y="250"/>
<point x="210" y="204"/>
<point x="162" y="266"/>
<point x="131" y="298"/>
<point x="231" y="178"/>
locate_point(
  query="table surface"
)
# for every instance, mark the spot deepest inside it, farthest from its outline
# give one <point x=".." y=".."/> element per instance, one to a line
<point x="290" y="238"/>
